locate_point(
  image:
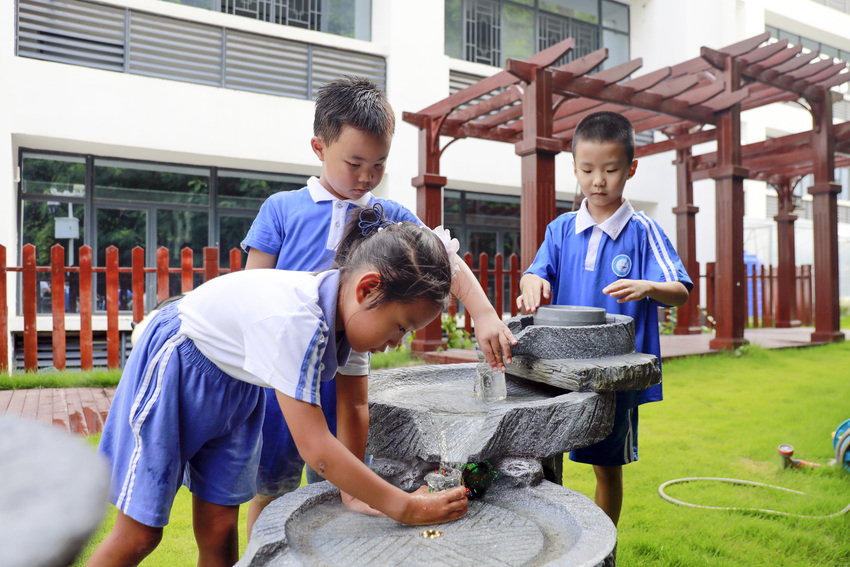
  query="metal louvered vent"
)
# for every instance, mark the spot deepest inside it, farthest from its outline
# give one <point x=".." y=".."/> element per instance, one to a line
<point x="175" y="49"/>
<point x="126" y="40"/>
<point x="71" y="32"/>
<point x="329" y="64"/>
<point x="266" y="65"/>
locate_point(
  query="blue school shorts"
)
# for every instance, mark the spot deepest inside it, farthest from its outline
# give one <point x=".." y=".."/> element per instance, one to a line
<point x="621" y="445"/>
<point x="178" y="419"/>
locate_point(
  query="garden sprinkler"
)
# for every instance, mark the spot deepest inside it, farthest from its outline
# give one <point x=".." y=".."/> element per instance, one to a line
<point x="841" y="443"/>
<point x="786" y="451"/>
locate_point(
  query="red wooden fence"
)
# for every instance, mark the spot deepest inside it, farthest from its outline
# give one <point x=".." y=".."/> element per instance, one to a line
<point x="764" y="279"/>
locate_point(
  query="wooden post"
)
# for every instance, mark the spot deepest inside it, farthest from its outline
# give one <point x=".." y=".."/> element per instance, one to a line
<point x="29" y="293"/>
<point x="162" y="285"/>
<point x="499" y="291"/>
<point x="86" y="346"/>
<point x="537" y="151"/>
<point x="688" y="315"/>
<point x="730" y="284"/>
<point x="186" y="273"/>
<point x="4" y="314"/>
<point x="825" y="206"/>
<point x="786" y="304"/>
<point x="235" y="260"/>
<point x="112" y="334"/>
<point x="210" y="263"/>
<point x="57" y="304"/>
<point x="467" y="320"/>
<point x="138" y="285"/>
<point x="514" y="283"/>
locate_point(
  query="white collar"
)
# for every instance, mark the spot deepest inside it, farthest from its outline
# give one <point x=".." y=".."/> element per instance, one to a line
<point x="612" y="226"/>
<point x="319" y="194"/>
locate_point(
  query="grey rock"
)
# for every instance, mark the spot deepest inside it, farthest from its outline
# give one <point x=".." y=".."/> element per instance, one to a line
<point x="633" y="371"/>
<point x="52" y="494"/>
<point x="615" y="337"/>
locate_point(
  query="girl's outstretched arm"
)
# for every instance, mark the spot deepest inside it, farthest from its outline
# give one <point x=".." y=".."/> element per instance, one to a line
<point x="331" y="459"/>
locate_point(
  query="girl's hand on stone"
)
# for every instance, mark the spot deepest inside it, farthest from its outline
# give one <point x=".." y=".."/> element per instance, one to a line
<point x="359" y="506"/>
<point x="435" y="508"/>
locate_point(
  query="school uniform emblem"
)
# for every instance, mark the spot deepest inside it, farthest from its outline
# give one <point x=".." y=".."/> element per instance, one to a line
<point x="621" y="265"/>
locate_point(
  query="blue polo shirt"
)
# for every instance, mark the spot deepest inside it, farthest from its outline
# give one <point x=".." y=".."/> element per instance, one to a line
<point x="303" y="228"/>
<point x="580" y="258"/>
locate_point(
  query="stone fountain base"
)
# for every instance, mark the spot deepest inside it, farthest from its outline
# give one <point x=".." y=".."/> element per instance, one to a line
<point x="537" y="525"/>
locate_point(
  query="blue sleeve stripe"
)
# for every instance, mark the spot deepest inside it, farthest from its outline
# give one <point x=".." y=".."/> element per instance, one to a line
<point x="310" y="374"/>
<point x="659" y="249"/>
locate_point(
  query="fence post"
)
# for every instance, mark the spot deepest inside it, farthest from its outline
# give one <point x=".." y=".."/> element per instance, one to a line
<point x="187" y="275"/>
<point x="29" y="291"/>
<point x="235" y="260"/>
<point x="57" y="304"/>
<point x="138" y="283"/>
<point x="499" y="292"/>
<point x="162" y="287"/>
<point x="766" y="303"/>
<point x="467" y="319"/>
<point x="4" y="314"/>
<point x="709" y="293"/>
<point x="514" y="277"/>
<point x="210" y="263"/>
<point x="112" y="334"/>
<point x="86" y="347"/>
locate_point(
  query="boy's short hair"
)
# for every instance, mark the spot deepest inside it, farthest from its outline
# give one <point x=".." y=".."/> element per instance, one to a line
<point x="606" y="126"/>
<point x="352" y="101"/>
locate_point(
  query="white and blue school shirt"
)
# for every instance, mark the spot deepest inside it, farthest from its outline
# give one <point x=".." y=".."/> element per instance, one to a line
<point x="272" y="328"/>
<point x="580" y="258"/>
<point x="303" y="228"/>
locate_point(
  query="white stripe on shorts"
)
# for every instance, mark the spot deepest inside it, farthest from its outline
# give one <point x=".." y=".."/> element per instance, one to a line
<point x="165" y="354"/>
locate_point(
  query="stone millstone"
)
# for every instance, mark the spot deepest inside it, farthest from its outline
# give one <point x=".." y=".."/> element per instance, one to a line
<point x="52" y="494"/>
<point x="542" y="525"/>
<point x="429" y="413"/>
<point x="634" y="371"/>
<point x="615" y="337"/>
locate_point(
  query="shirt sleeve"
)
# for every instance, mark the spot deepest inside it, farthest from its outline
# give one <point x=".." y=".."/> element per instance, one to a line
<point x="660" y="259"/>
<point x="398" y="213"/>
<point x="267" y="231"/>
<point x="287" y="353"/>
<point x="546" y="260"/>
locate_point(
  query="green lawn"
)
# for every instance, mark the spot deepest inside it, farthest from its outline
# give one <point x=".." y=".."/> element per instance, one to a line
<point x="723" y="416"/>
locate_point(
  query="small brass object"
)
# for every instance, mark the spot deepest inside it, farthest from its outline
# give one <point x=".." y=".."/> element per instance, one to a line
<point x="431" y="534"/>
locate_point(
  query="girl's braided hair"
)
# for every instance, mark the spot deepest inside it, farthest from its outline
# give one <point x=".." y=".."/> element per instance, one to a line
<point x="411" y="259"/>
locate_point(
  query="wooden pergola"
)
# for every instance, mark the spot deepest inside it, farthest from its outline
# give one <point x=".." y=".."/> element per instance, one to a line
<point x="536" y="107"/>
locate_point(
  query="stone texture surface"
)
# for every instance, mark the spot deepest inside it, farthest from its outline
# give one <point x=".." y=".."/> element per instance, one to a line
<point x="633" y="371"/>
<point x="429" y="413"/>
<point x="615" y="337"/>
<point x="534" y="526"/>
<point x="52" y="494"/>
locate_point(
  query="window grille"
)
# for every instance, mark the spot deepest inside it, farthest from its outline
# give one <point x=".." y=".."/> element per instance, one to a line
<point x="482" y="21"/>
<point x="305" y="14"/>
<point x="119" y="39"/>
<point x="552" y="29"/>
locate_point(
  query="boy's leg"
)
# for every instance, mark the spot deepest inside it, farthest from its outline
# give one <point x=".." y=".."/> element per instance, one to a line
<point x="609" y="491"/>
<point x="216" y="532"/>
<point x="255" y="507"/>
<point x="128" y="543"/>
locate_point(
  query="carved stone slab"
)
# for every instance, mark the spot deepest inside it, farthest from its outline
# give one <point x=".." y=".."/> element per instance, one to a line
<point x="633" y="371"/>
<point x="616" y="336"/>
<point x="429" y="413"/>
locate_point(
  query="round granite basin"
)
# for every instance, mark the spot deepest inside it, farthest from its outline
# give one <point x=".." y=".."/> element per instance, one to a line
<point x="529" y="526"/>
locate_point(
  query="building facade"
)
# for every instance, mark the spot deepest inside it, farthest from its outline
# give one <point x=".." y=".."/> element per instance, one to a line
<point x="166" y="123"/>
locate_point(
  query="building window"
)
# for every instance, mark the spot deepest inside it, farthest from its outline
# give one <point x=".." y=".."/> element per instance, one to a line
<point x="492" y="31"/>
<point x="100" y="202"/>
<point x="348" y="18"/>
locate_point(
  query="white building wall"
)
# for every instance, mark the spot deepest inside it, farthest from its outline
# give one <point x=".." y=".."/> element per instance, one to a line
<point x="51" y="106"/>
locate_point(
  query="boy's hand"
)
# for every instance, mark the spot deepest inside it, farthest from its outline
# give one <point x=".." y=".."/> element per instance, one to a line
<point x="628" y="290"/>
<point x="426" y="508"/>
<point x="356" y="505"/>
<point x="495" y="340"/>
<point x="531" y="288"/>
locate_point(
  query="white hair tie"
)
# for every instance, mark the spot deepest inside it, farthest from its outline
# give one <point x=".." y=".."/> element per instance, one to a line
<point x="452" y="245"/>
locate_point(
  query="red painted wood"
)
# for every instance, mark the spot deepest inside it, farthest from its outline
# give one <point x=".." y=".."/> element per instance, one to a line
<point x="4" y="315"/>
<point x="467" y="324"/>
<point x="112" y="333"/>
<point x="515" y="275"/>
<point x="138" y="283"/>
<point x="211" y="268"/>
<point x="57" y="304"/>
<point x="162" y="288"/>
<point x="235" y="260"/>
<point x="86" y="346"/>
<point x="186" y="270"/>
<point x="29" y="293"/>
<point x="499" y="292"/>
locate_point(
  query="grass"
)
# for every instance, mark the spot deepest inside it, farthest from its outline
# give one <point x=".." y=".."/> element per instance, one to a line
<point x="723" y="416"/>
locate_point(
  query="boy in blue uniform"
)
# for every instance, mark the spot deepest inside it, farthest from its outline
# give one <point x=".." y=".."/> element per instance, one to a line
<point x="299" y="230"/>
<point x="608" y="255"/>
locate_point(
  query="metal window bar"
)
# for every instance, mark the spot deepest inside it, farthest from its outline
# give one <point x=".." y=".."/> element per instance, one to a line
<point x="305" y="14"/>
<point x="483" y="27"/>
